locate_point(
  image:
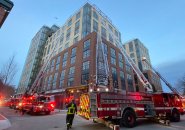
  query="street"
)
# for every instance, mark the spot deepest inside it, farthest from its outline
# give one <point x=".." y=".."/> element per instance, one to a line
<point x="56" y="121"/>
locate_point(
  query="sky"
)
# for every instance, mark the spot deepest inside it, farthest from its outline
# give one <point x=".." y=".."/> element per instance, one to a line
<point x="159" y="24"/>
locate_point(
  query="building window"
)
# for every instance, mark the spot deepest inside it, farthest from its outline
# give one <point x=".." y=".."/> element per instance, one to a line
<point x="85" y="79"/>
<point x="113" y="52"/>
<point x="78" y="15"/>
<point x="77" y="26"/>
<point x="70" y="82"/>
<point x="85" y="68"/>
<point x="132" y="55"/>
<point x="131" y="47"/>
<point x="95" y="15"/>
<point x="95" y="26"/>
<point x="110" y="27"/>
<point x="58" y="63"/>
<point x="85" y="72"/>
<point x="103" y="32"/>
<point x="62" y="77"/>
<point x="122" y="77"/>
<point x="71" y="71"/>
<point x="86" y="54"/>
<point x="73" y="59"/>
<point x="130" y="83"/>
<point x="121" y="64"/>
<point x="114" y="78"/>
<point x="75" y="40"/>
<point x="69" y="23"/>
<point x="68" y="34"/>
<point x="52" y="64"/>
<point x="116" y="33"/>
<point x="65" y="56"/>
<point x="105" y="48"/>
<point x="87" y="44"/>
<point x="49" y="82"/>
<point x="55" y="80"/>
<point x="113" y="61"/>
<point x="73" y="52"/>
<point x="111" y="38"/>
<point x="64" y="63"/>
<point x="128" y="68"/>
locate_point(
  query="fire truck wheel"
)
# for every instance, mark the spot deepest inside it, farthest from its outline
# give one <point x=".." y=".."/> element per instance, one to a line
<point x="129" y="119"/>
<point x="175" y="116"/>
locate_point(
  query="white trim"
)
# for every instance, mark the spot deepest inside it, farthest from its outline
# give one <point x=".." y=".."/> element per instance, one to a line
<point x="139" y="108"/>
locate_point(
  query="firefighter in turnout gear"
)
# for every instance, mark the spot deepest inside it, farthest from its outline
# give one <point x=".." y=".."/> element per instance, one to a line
<point x="72" y="109"/>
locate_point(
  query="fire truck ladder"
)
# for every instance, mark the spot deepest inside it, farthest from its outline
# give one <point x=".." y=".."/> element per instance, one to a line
<point x="139" y="74"/>
<point x="162" y="78"/>
<point x="102" y="68"/>
<point x="35" y="84"/>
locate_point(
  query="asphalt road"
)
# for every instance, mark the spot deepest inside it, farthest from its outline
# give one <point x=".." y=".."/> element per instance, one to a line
<point x="56" y="121"/>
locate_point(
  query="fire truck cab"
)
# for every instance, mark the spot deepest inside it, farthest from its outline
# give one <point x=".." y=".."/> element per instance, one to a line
<point x="39" y="104"/>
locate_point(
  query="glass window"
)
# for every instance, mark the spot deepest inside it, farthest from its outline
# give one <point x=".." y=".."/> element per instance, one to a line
<point x="111" y="38"/>
<point x="131" y="47"/>
<point x="128" y="69"/>
<point x="121" y="64"/>
<point x="95" y="15"/>
<point x="73" y="52"/>
<point x="58" y="60"/>
<point x="132" y="55"/>
<point x="70" y="22"/>
<point x="64" y="63"/>
<point x="62" y="75"/>
<point x="85" y="79"/>
<point x="113" y="61"/>
<point x="65" y="56"/>
<point x="103" y="32"/>
<point x="87" y="44"/>
<point x="73" y="59"/>
<point x="113" y="52"/>
<point x="95" y="26"/>
<point x="55" y="80"/>
<point x="105" y="48"/>
<point x="78" y="15"/>
<point x="120" y="57"/>
<point x="85" y="66"/>
<point x="77" y="26"/>
<point x="75" y="40"/>
<point x="116" y="33"/>
<point x="70" y="81"/>
<point x="86" y="54"/>
<point x="71" y="71"/>
<point x="122" y="80"/>
<point x="68" y="34"/>
<point x="114" y="77"/>
<point x="110" y="27"/>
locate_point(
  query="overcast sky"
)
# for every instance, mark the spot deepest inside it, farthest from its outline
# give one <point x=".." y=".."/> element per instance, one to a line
<point x="159" y="24"/>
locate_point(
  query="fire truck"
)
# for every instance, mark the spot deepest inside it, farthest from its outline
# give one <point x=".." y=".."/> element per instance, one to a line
<point x="37" y="104"/>
<point x="126" y="107"/>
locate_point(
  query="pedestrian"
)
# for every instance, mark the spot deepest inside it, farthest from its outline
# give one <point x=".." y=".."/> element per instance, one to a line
<point x="72" y="110"/>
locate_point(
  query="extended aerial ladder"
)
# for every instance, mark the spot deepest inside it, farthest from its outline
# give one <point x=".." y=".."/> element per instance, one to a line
<point x="142" y="78"/>
<point x="40" y="75"/>
<point x="161" y="77"/>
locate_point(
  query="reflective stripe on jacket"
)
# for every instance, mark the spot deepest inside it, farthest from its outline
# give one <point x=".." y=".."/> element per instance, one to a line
<point x="71" y="109"/>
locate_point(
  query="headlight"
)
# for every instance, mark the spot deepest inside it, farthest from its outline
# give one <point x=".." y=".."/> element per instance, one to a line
<point x="40" y="106"/>
<point x="20" y="104"/>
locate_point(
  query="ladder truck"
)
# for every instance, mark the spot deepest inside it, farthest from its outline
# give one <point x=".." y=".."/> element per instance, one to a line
<point x="126" y="108"/>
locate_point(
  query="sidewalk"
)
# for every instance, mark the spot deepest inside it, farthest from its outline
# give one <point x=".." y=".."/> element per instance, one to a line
<point x="4" y="122"/>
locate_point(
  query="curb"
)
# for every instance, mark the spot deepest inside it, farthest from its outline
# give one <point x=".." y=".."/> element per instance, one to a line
<point x="4" y="123"/>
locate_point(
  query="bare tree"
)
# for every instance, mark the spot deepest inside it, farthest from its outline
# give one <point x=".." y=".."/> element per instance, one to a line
<point x="8" y="71"/>
<point x="181" y="85"/>
<point x="7" y="74"/>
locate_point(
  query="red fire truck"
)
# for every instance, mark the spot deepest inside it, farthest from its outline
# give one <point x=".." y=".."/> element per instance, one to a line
<point x="37" y="104"/>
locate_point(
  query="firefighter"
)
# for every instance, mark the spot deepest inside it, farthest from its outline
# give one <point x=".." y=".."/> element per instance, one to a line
<point x="72" y="109"/>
